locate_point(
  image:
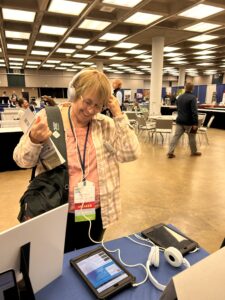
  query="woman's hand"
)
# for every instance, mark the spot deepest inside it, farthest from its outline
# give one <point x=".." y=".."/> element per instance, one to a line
<point x="114" y="107"/>
<point x="40" y="131"/>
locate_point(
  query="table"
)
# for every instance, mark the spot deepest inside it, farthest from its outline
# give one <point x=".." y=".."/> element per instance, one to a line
<point x="9" y="139"/>
<point x="70" y="286"/>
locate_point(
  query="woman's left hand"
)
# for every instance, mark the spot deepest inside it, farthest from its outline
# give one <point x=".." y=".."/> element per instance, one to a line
<point x="114" y="107"/>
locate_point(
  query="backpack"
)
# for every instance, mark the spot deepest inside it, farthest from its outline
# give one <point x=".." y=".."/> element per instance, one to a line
<point x="49" y="189"/>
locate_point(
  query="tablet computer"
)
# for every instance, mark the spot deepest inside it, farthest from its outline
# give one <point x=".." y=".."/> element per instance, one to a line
<point x="165" y="236"/>
<point x="102" y="272"/>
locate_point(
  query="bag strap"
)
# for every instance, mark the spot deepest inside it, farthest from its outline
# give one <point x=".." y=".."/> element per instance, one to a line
<point x="55" y="124"/>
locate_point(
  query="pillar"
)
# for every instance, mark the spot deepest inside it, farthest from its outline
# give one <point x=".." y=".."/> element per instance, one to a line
<point x="99" y="66"/>
<point x="181" y="80"/>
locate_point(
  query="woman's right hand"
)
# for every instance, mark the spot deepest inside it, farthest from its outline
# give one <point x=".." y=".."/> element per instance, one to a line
<point x="40" y="131"/>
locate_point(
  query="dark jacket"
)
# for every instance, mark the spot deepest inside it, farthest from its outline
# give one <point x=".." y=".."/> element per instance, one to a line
<point x="187" y="109"/>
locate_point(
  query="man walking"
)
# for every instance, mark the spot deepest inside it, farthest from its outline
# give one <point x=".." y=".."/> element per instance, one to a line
<point x="187" y="121"/>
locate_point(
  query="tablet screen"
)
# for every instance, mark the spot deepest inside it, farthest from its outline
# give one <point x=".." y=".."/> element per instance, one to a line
<point x="102" y="273"/>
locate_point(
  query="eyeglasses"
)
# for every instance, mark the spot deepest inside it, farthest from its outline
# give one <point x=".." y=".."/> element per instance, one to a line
<point x="88" y="104"/>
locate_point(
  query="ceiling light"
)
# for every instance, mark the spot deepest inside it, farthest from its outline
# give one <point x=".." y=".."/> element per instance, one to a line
<point x="66" y="64"/>
<point x="17" y="46"/>
<point x="169" y="49"/>
<point x="17" y="35"/>
<point x="136" y="51"/>
<point x="33" y="62"/>
<point x="2" y="65"/>
<point x="204" y="57"/>
<point x="115" y="65"/>
<point x="142" y="18"/>
<point x="16" y="67"/>
<point x="16" y="59"/>
<point x="60" y="68"/>
<point x="222" y="66"/>
<point x="0" y="49"/>
<point x="179" y="62"/>
<point x="126" y="3"/>
<point x="44" y="44"/>
<point x="118" y="57"/>
<point x="202" y="26"/>
<point x="200" y="11"/>
<point x="147" y="60"/>
<point x="203" y="46"/>
<point x="203" y="38"/>
<point x="105" y="53"/>
<point x="81" y="55"/>
<point x="35" y="52"/>
<point x="94" y="24"/>
<point x="15" y="63"/>
<point x="77" y="67"/>
<point x="86" y="63"/>
<point x="70" y="70"/>
<point x="112" y="36"/>
<point x="204" y="52"/>
<point x="53" y="30"/>
<point x="67" y="7"/>
<point x="65" y="50"/>
<point x="94" y="48"/>
<point x="173" y="54"/>
<point x="143" y="56"/>
<point x="126" y="45"/>
<point x="74" y="40"/>
<point x="18" y="15"/>
<point x="53" y="61"/>
<point x="31" y="67"/>
<point x="48" y="66"/>
<point x="205" y="64"/>
<point x="176" y="58"/>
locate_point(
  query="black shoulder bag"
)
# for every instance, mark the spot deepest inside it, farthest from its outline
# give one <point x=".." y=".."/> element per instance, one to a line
<point x="47" y="190"/>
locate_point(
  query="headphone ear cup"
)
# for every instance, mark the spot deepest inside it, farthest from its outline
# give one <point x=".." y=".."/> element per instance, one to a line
<point x="154" y="261"/>
<point x="155" y="256"/>
<point x="71" y="92"/>
<point x="173" y="256"/>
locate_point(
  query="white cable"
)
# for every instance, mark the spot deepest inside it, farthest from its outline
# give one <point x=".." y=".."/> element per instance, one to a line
<point x="142" y="244"/>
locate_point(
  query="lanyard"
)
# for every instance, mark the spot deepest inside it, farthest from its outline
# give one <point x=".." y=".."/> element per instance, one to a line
<point x="82" y="162"/>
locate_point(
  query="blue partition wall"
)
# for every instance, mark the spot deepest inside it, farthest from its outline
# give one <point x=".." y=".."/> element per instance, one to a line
<point x="220" y="88"/>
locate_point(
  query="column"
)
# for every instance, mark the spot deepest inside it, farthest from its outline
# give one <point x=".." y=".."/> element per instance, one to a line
<point x="99" y="66"/>
<point x="181" y="80"/>
<point x="156" y="76"/>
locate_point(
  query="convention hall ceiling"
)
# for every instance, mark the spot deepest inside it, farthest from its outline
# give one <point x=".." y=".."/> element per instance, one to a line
<point x="69" y="35"/>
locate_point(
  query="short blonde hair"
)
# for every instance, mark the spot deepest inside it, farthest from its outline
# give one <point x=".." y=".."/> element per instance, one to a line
<point x="118" y="83"/>
<point x="91" y="80"/>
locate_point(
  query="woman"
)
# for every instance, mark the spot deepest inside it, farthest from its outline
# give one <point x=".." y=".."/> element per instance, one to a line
<point x="95" y="145"/>
<point x="23" y="104"/>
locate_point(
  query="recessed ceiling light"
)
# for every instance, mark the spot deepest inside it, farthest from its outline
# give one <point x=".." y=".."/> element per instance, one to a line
<point x="17" y="35"/>
<point x="105" y="53"/>
<point x="75" y="40"/>
<point x="203" y="46"/>
<point x="17" y="46"/>
<point x="94" y="48"/>
<point x="31" y="67"/>
<point x="136" y="51"/>
<point x="44" y="44"/>
<point x="48" y="66"/>
<point x="53" y="30"/>
<point x="169" y="49"/>
<point x="50" y="61"/>
<point x="112" y="36"/>
<point x="70" y="70"/>
<point x="16" y="67"/>
<point x="205" y="64"/>
<point x="143" y="56"/>
<point x="66" y="64"/>
<point x="86" y="63"/>
<point x="18" y="15"/>
<point x="173" y="54"/>
<point x="2" y="65"/>
<point x="222" y="66"/>
<point x="126" y="3"/>
<point x="204" y="57"/>
<point x="201" y="11"/>
<point x="80" y="55"/>
<point x="118" y="57"/>
<point x="33" y="62"/>
<point x="67" y="7"/>
<point x="65" y="50"/>
<point x="77" y="67"/>
<point x="60" y="68"/>
<point x="142" y="18"/>
<point x="176" y="58"/>
<point x="16" y="59"/>
<point x="36" y="52"/>
<point x="202" y="26"/>
<point x="126" y="45"/>
<point x="179" y="62"/>
<point x="94" y="24"/>
<point x="147" y="60"/>
<point x="203" y="38"/>
<point x="204" y="52"/>
<point x="15" y="63"/>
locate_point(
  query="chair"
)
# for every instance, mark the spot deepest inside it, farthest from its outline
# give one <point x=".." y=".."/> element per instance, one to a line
<point x="203" y="130"/>
<point x="144" y="126"/>
<point x="201" y="119"/>
<point x="132" y="116"/>
<point x="163" y="126"/>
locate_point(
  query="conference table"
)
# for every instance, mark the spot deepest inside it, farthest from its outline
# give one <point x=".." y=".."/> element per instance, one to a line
<point x="70" y="286"/>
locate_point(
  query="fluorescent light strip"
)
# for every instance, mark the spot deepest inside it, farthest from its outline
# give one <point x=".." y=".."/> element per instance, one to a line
<point x="65" y="50"/>
<point x="36" y="52"/>
<point x="66" y="64"/>
<point x="81" y="55"/>
<point x="75" y="40"/>
<point x="112" y="36"/>
<point x="126" y="3"/>
<point x="54" y="30"/>
<point x="18" y="15"/>
<point x="17" y="46"/>
<point x="48" y="66"/>
<point x="16" y="59"/>
<point x="33" y="62"/>
<point x="118" y="57"/>
<point x="94" y="48"/>
<point x="44" y="44"/>
<point x="142" y="18"/>
<point x="105" y="53"/>
<point x="94" y="24"/>
<point x="202" y="26"/>
<point x="203" y="38"/>
<point x="126" y="45"/>
<point x="136" y="51"/>
<point x="203" y="46"/>
<point x="53" y="61"/>
<point x="86" y="63"/>
<point x="201" y="11"/>
<point x="169" y="49"/>
<point x="17" y="35"/>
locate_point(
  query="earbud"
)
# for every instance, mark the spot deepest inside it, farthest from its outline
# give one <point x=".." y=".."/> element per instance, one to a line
<point x="172" y="255"/>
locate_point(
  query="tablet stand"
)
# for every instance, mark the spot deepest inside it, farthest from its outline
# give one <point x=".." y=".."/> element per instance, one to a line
<point x="25" y="286"/>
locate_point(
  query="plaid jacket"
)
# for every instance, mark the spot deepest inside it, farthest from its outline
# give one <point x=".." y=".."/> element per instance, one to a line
<point x="114" y="140"/>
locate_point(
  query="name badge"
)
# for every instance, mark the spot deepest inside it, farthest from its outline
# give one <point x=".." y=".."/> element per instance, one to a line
<point x="84" y="199"/>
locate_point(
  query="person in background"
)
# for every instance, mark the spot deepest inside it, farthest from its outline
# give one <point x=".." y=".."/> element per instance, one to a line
<point x="187" y="121"/>
<point x="4" y="94"/>
<point x="117" y="92"/>
<point x="96" y="144"/>
<point x="136" y="107"/>
<point x="23" y="104"/>
<point x="49" y="101"/>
